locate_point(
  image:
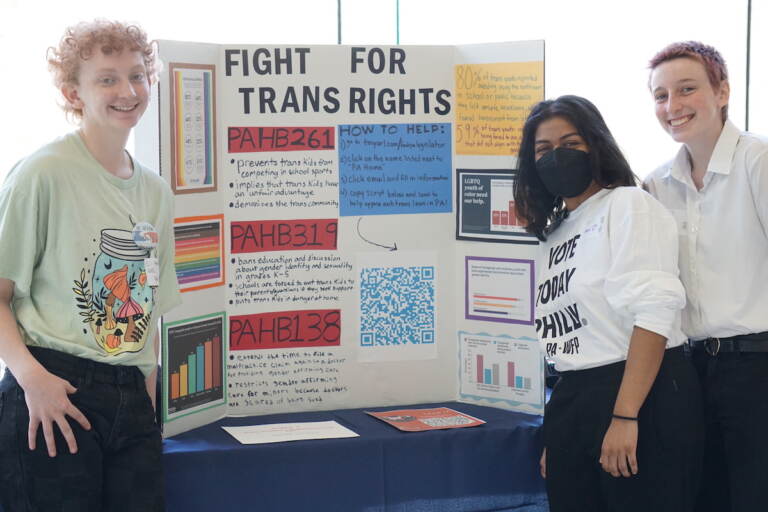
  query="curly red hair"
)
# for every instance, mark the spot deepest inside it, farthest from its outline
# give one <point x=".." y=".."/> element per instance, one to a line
<point x="80" y="41"/>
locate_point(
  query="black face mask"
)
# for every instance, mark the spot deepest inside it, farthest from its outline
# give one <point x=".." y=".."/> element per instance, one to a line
<point x="565" y="172"/>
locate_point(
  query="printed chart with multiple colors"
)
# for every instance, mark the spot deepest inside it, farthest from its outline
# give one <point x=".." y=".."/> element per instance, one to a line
<point x="419" y="420"/>
<point x="499" y="290"/>
<point x="501" y="368"/>
<point x="194" y="128"/>
<point x="199" y="252"/>
<point x="193" y="364"/>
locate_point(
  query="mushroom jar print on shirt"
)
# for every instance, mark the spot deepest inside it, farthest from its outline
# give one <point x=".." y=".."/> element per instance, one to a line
<point x="118" y="305"/>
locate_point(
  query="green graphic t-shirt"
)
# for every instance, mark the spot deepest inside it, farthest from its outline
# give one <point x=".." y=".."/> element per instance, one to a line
<point x="78" y="243"/>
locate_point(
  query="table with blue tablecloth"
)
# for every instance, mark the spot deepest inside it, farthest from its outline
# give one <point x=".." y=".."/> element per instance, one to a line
<point x="493" y="467"/>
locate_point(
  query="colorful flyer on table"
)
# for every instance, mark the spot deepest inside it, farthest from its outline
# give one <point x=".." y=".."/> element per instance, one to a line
<point x="193" y="116"/>
<point x="419" y="420"/>
<point x="499" y="290"/>
<point x="485" y="207"/>
<point x="502" y="369"/>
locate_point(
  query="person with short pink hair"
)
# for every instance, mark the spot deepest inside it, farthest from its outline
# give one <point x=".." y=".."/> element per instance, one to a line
<point x="716" y="187"/>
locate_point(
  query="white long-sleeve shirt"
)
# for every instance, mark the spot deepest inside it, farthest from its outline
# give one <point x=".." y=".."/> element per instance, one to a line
<point x="723" y="234"/>
<point x="610" y="266"/>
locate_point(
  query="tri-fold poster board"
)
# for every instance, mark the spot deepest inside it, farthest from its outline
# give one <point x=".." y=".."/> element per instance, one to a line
<point x="345" y="227"/>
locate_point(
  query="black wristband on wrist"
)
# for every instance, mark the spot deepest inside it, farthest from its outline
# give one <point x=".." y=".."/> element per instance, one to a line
<point x="620" y="417"/>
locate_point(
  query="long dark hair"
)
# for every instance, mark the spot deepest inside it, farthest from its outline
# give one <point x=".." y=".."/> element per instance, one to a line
<point x="540" y="210"/>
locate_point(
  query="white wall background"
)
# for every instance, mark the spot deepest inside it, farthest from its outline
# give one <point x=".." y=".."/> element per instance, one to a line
<point x="595" y="48"/>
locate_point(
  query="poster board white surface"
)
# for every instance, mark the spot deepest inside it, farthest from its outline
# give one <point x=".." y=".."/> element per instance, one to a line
<point x="332" y="164"/>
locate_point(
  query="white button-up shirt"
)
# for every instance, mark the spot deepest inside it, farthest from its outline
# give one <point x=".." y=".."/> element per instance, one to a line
<point x="723" y="234"/>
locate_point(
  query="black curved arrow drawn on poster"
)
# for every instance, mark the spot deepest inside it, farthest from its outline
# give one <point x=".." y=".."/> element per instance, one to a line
<point x="392" y="247"/>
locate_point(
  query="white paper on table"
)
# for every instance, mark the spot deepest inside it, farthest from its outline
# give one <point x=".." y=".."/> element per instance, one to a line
<point x="280" y="432"/>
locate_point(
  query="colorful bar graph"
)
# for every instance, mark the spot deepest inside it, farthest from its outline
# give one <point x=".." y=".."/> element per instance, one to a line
<point x="201" y="371"/>
<point x="493" y="376"/>
<point x="492" y="304"/>
<point x="194" y="360"/>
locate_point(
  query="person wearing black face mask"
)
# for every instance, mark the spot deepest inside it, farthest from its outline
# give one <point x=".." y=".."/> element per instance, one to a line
<point x="623" y="426"/>
<point x="565" y="172"/>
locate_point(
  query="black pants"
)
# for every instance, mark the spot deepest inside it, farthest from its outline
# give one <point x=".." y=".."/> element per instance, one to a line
<point x="735" y="476"/>
<point x="118" y="465"/>
<point x="670" y="433"/>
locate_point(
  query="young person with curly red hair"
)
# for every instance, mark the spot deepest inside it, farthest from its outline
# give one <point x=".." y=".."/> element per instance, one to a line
<point x="82" y="284"/>
<point x="717" y="189"/>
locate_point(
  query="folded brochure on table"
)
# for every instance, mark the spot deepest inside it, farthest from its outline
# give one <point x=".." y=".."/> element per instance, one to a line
<point x="418" y="420"/>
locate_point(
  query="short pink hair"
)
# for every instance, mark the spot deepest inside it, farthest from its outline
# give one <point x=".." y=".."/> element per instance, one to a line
<point x="708" y="56"/>
<point x="82" y="40"/>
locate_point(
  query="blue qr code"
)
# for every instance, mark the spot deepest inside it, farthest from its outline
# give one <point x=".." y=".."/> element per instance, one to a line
<point x="397" y="306"/>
